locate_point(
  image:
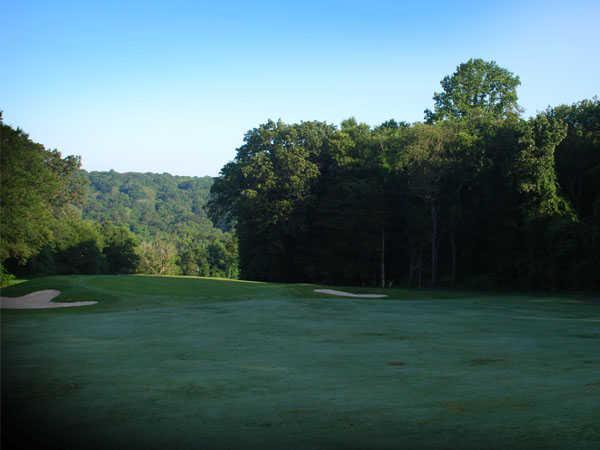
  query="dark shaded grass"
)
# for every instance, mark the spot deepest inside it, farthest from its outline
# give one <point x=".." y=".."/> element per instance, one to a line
<point x="195" y="363"/>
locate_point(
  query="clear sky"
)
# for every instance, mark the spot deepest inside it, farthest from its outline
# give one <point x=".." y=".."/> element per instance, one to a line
<point x="172" y="86"/>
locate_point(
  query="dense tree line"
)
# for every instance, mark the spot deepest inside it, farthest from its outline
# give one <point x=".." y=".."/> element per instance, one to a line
<point x="474" y="195"/>
<point x="42" y="230"/>
<point x="58" y="219"/>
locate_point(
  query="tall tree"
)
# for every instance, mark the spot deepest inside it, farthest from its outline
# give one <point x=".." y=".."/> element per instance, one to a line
<point x="157" y="257"/>
<point x="267" y="189"/>
<point x="119" y="249"/>
<point x="476" y="88"/>
<point x="428" y="166"/>
<point x="578" y="155"/>
<point x="578" y="172"/>
<point x="35" y="185"/>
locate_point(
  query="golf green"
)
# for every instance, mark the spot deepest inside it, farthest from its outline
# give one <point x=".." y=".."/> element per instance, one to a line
<point x="177" y="362"/>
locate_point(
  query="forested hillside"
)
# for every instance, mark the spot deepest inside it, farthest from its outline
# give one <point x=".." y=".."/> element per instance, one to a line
<point x="150" y="204"/>
<point x="475" y="195"/>
<point x="58" y="219"/>
<point x="165" y="212"/>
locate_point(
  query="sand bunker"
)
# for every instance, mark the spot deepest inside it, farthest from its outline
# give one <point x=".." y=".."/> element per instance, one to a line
<point x="38" y="300"/>
<point x="348" y="294"/>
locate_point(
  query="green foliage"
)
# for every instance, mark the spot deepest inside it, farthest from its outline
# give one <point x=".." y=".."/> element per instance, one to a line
<point x="35" y="186"/>
<point x="476" y="88"/>
<point x="473" y="195"/>
<point x="76" y="247"/>
<point x="120" y="249"/>
<point x="58" y="219"/>
<point x="578" y="156"/>
<point x="148" y="204"/>
<point x="6" y="279"/>
<point x="167" y="214"/>
<point x="578" y="171"/>
<point x="157" y="257"/>
<point x="266" y="189"/>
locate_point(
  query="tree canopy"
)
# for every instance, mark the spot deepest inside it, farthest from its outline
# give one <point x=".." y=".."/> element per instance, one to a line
<point x="476" y="196"/>
<point x="477" y="87"/>
<point x="37" y="187"/>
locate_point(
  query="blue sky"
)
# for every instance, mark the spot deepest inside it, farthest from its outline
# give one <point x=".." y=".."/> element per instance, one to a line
<point x="173" y="86"/>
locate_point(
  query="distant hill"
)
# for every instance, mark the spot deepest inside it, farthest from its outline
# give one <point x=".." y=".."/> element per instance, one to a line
<point x="166" y="213"/>
<point x="59" y="219"/>
<point x="150" y="204"/>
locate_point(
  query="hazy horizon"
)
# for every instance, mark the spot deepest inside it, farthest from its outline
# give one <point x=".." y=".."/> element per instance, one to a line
<point x="173" y="88"/>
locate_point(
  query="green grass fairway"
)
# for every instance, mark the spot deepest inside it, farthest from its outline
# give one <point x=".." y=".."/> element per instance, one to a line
<point x="177" y="363"/>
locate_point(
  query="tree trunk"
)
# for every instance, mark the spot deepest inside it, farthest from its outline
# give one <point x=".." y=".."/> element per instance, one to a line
<point x="420" y="269"/>
<point x="434" y="238"/>
<point x="383" y="257"/>
<point x="453" y="248"/>
<point x="579" y="195"/>
<point x="411" y="267"/>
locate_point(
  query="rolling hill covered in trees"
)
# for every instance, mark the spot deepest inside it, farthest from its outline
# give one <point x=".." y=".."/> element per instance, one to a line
<point x="149" y="203"/>
<point x="58" y="219"/>
<point x="166" y="213"/>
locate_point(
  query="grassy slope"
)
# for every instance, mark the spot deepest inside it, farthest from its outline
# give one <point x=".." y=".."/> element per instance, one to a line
<point x="183" y="362"/>
<point x="141" y="291"/>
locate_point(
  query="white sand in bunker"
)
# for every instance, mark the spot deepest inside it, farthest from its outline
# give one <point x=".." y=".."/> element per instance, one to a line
<point x="348" y="294"/>
<point x="38" y="300"/>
